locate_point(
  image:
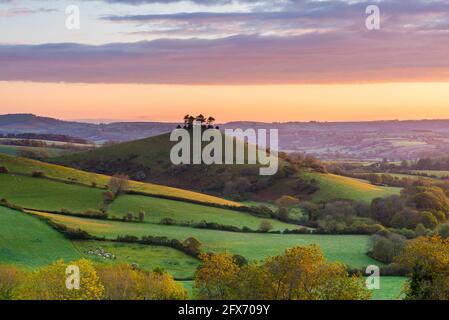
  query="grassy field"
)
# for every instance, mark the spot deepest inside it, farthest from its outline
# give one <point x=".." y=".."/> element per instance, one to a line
<point x="156" y="209"/>
<point x="26" y="166"/>
<point x="46" y="195"/>
<point x="146" y="257"/>
<point x="15" y="150"/>
<point x="29" y="242"/>
<point x="43" y="194"/>
<point x="333" y="187"/>
<point x="390" y="289"/>
<point x="350" y="250"/>
<point x="436" y="173"/>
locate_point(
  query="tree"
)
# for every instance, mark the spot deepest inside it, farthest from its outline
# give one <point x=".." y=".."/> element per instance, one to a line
<point x="193" y="245"/>
<point x="123" y="282"/>
<point x="428" y="260"/>
<point x="10" y="277"/>
<point x="49" y="283"/>
<point x="210" y="122"/>
<point x="265" y="226"/>
<point x="201" y="119"/>
<point x="287" y="201"/>
<point x="129" y="216"/>
<point x="300" y="273"/>
<point x="214" y="279"/>
<point x="118" y="184"/>
<point x="141" y="215"/>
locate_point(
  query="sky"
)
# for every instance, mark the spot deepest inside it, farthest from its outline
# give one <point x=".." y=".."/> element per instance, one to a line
<point x="262" y="60"/>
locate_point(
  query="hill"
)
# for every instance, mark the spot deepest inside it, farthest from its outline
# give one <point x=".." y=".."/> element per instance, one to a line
<point x="63" y="174"/>
<point x="149" y="160"/>
<point x="30" y="123"/>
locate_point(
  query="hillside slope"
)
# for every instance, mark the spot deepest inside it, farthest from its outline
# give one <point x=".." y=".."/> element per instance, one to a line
<point x="29" y="242"/>
<point x="149" y="160"/>
<point x="27" y="166"/>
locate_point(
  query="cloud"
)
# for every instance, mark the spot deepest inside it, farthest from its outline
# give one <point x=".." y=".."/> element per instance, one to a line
<point x="311" y="58"/>
<point x="14" y="12"/>
<point x="288" y="17"/>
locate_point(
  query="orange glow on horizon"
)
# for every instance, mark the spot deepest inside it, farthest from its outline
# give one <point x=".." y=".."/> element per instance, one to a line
<point x="270" y="103"/>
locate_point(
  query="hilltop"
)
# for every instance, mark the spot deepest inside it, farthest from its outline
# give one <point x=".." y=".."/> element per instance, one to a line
<point x="149" y="160"/>
<point x="373" y="141"/>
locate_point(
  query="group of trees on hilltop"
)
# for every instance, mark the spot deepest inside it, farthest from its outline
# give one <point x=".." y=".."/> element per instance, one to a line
<point x="206" y="123"/>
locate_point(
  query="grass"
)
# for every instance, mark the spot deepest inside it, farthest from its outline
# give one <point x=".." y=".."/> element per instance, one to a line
<point x="26" y="166"/>
<point x="156" y="209"/>
<point x="333" y="187"/>
<point x="434" y="173"/>
<point x="188" y="285"/>
<point x="390" y="289"/>
<point x="350" y="249"/>
<point x="29" y="242"/>
<point x="15" y="150"/>
<point x="146" y="257"/>
<point x="43" y="194"/>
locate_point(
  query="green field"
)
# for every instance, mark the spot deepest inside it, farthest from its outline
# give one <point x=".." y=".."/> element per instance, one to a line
<point x="333" y="187"/>
<point x="26" y="166"/>
<point x="350" y="250"/>
<point x="390" y="289"/>
<point x="436" y="173"/>
<point x="28" y="242"/>
<point x="43" y="194"/>
<point x="146" y="257"/>
<point x="156" y="209"/>
<point x="16" y="150"/>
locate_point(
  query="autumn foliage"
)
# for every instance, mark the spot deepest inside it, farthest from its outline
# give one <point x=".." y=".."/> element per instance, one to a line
<point x="301" y="273"/>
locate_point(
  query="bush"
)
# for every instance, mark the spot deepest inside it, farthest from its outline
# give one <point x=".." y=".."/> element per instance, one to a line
<point x="443" y="230"/>
<point x="38" y="174"/>
<point x="4" y="170"/>
<point x="265" y="226"/>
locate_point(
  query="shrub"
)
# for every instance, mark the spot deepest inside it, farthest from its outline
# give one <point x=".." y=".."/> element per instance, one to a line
<point x="10" y="277"/>
<point x="123" y="282"/>
<point x="38" y="174"/>
<point x="4" y="170"/>
<point x="265" y="226"/>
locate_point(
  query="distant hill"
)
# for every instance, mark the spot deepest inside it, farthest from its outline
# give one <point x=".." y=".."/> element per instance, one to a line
<point x="29" y="123"/>
<point x="149" y="160"/>
<point x="373" y="141"/>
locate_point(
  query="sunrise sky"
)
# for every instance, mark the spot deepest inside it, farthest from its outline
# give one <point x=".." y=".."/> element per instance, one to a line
<point x="263" y="60"/>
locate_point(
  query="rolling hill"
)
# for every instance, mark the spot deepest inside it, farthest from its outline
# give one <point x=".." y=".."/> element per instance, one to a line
<point x="149" y="159"/>
<point x="64" y="174"/>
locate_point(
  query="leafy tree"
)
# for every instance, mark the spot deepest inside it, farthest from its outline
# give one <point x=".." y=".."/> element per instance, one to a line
<point x="265" y="226"/>
<point x="118" y="184"/>
<point x="141" y="215"/>
<point x="193" y="245"/>
<point x="214" y="279"/>
<point x="428" y="260"/>
<point x="49" y="283"/>
<point x="123" y="282"/>
<point x="10" y="277"/>
<point x="300" y="273"/>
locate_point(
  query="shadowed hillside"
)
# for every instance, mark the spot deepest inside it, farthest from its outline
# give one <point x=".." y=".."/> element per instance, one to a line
<point x="149" y="160"/>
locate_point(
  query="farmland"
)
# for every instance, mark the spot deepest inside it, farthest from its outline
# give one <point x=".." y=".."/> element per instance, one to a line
<point x="29" y="242"/>
<point x="349" y="249"/>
